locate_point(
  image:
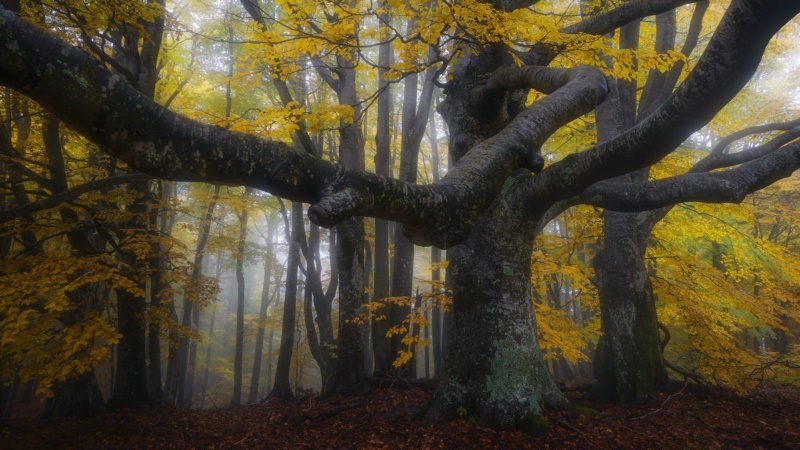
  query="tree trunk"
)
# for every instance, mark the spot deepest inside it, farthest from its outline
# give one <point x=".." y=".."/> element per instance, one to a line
<point x="262" y="315"/>
<point x="130" y="386"/>
<point x="238" y="357"/>
<point x="191" y="364"/>
<point x="631" y="366"/>
<point x="282" y="388"/>
<point x="494" y="369"/>
<point x="83" y="394"/>
<point x="436" y="258"/>
<point x="78" y="396"/>
<point x="383" y="148"/>
<point x="628" y="360"/>
<point x="269" y="356"/>
<point x="208" y="359"/>
<point x="176" y="379"/>
<point x="350" y="376"/>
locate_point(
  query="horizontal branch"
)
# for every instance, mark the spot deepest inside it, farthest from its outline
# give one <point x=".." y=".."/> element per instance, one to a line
<point x="729" y="186"/>
<point x="730" y="59"/>
<point x="121" y="121"/>
<point x="627" y="12"/>
<point x="69" y="195"/>
<point x="724" y="143"/>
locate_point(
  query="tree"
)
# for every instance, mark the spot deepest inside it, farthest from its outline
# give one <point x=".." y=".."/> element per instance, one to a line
<point x="486" y="210"/>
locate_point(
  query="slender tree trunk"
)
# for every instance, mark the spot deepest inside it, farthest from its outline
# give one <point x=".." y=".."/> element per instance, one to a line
<point x="629" y="361"/>
<point x="269" y="357"/>
<point x="176" y="387"/>
<point x="240" y="300"/>
<point x="282" y="388"/>
<point x="208" y="359"/>
<point x="350" y="376"/>
<point x="81" y="395"/>
<point x="130" y="387"/>
<point x="415" y="120"/>
<point x="160" y="294"/>
<point x="262" y="315"/>
<point x="192" y="362"/>
<point x="436" y="274"/>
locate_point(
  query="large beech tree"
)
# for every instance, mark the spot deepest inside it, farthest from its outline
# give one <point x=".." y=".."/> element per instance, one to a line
<point x="488" y="208"/>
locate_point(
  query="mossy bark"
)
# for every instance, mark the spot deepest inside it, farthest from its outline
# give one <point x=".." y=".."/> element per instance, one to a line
<point x="494" y="368"/>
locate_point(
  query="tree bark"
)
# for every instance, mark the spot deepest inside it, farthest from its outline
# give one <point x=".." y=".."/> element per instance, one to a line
<point x="238" y="357"/>
<point x="262" y="315"/>
<point x="381" y="348"/>
<point x="175" y="390"/>
<point x="282" y="388"/>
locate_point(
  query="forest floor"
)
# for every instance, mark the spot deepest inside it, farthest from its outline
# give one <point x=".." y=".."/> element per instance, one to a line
<point x="382" y="419"/>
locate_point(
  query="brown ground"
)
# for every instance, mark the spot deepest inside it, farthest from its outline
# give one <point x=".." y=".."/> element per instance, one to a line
<point x="381" y="420"/>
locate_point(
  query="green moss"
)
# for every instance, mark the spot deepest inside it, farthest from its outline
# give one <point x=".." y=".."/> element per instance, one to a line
<point x="586" y="411"/>
<point x="534" y="424"/>
<point x="511" y="375"/>
<point x="81" y="81"/>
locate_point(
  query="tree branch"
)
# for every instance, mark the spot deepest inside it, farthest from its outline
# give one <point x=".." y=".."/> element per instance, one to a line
<point x="105" y="109"/>
<point x="730" y="186"/>
<point x="731" y="58"/>
<point x="69" y="195"/>
<point x="627" y="12"/>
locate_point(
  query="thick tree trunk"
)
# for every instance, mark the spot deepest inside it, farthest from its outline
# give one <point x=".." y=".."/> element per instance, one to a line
<point x="631" y="366"/>
<point x="494" y="366"/>
<point x="628" y="360"/>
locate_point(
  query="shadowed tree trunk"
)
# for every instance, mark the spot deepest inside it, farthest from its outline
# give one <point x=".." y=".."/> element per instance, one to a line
<point x="282" y="387"/>
<point x="80" y="395"/>
<point x="238" y="356"/>
<point x="628" y="360"/>
<point x="497" y="374"/>
<point x="266" y="299"/>
<point x="415" y="120"/>
<point x="383" y="143"/>
<point x="175" y="390"/>
<point x="436" y="272"/>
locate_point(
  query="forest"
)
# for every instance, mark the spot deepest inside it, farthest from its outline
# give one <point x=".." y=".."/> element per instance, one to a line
<point x="430" y="223"/>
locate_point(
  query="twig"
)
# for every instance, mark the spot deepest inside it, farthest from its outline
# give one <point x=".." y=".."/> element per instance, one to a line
<point x="664" y="402"/>
<point x="571" y="427"/>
